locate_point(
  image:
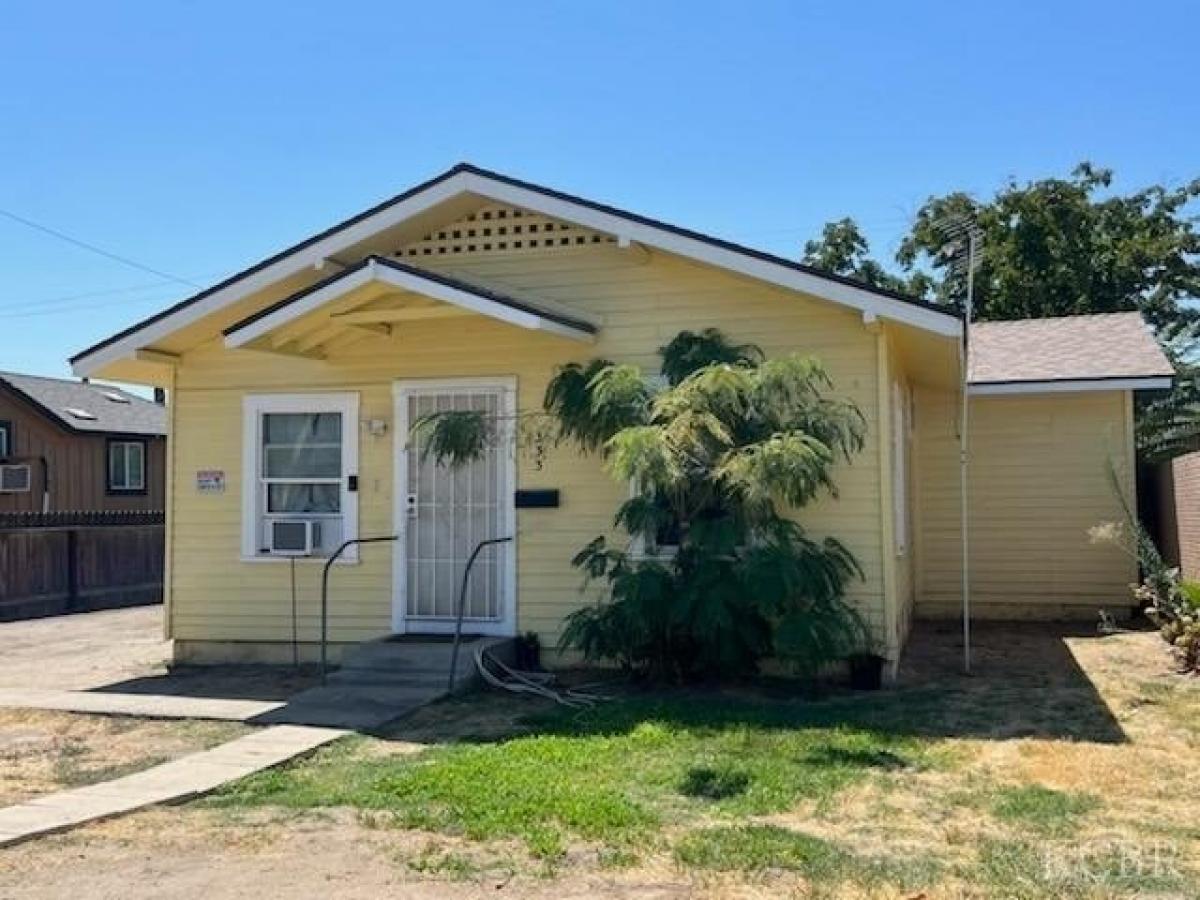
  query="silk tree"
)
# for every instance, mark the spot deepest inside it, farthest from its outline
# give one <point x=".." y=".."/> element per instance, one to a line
<point x="722" y="453"/>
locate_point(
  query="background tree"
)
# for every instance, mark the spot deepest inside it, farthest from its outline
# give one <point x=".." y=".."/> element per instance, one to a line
<point x="844" y="250"/>
<point x="1057" y="247"/>
<point x="710" y="454"/>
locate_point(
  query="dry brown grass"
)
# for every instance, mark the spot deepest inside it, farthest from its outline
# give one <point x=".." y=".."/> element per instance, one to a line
<point x="43" y="751"/>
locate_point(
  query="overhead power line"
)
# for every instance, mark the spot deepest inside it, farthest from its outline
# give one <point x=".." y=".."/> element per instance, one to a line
<point x="71" y="299"/>
<point x="124" y="260"/>
<point x="76" y="307"/>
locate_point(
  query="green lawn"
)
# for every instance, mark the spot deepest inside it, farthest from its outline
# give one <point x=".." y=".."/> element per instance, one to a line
<point x="615" y="775"/>
<point x="986" y="786"/>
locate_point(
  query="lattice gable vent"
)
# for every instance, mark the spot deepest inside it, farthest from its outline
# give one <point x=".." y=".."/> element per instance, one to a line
<point x="503" y="229"/>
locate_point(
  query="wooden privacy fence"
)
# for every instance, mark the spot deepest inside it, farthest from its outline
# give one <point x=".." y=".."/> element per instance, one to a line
<point x="61" y="562"/>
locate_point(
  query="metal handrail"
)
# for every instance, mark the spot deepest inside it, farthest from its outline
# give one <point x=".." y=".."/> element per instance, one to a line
<point x="462" y="602"/>
<point x="325" y="591"/>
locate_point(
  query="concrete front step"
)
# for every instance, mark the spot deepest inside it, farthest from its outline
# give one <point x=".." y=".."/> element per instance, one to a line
<point x="466" y="662"/>
<point x="421" y="678"/>
<point x="409" y="654"/>
<point x="384" y="680"/>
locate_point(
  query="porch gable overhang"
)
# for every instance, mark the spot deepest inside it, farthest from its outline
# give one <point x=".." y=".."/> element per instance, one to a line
<point x="379" y="270"/>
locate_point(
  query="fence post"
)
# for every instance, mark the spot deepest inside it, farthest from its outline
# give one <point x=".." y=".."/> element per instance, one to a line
<point x="72" y="568"/>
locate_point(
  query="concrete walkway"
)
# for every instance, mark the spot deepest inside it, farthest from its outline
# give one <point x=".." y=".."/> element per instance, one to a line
<point x="377" y="683"/>
<point x="171" y="782"/>
<point x="153" y="706"/>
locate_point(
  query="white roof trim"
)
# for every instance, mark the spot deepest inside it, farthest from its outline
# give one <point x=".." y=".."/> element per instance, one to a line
<point x="468" y="181"/>
<point x="1074" y="385"/>
<point x="385" y="274"/>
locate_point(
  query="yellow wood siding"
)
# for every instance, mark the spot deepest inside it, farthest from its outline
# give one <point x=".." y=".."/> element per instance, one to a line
<point x="644" y="299"/>
<point x="1038" y="481"/>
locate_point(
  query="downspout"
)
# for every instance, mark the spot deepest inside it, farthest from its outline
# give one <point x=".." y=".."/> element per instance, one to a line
<point x="171" y="400"/>
<point x="963" y="450"/>
<point x="45" y="484"/>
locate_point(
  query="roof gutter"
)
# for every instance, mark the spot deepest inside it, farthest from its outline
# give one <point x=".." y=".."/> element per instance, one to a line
<point x="1071" y="385"/>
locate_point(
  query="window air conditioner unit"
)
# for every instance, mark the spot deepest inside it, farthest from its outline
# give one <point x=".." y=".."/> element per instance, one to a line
<point x="294" y="537"/>
<point x="15" y="479"/>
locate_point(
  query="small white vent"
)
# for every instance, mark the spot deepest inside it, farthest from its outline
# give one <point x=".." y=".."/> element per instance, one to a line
<point x="114" y="397"/>
<point x="77" y="413"/>
<point x="502" y="229"/>
<point x="15" y="479"/>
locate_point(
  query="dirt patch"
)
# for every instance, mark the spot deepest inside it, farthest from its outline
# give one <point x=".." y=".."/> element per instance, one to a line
<point x="182" y="854"/>
<point x="42" y="752"/>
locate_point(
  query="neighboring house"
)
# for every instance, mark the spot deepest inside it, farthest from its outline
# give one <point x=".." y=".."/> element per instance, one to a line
<point x="80" y="447"/>
<point x="1175" y="511"/>
<point x="294" y="384"/>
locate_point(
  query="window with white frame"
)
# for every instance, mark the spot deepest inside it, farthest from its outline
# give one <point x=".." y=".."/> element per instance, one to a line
<point x="901" y="425"/>
<point x="6" y="441"/>
<point x="664" y="544"/>
<point x="300" y="458"/>
<point x="126" y="467"/>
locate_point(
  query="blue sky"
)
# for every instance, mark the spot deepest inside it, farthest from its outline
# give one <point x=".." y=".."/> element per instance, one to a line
<point x="197" y="138"/>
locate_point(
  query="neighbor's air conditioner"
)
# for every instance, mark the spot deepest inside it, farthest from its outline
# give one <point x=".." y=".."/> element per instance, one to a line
<point x="293" y="537"/>
<point x="15" y="479"/>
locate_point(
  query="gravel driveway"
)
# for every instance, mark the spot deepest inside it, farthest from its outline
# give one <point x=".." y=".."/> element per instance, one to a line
<point x="83" y="651"/>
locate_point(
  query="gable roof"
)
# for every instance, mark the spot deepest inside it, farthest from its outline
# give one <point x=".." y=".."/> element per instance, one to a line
<point x="101" y="413"/>
<point x="439" y="286"/>
<point x="468" y="179"/>
<point x="1106" y="350"/>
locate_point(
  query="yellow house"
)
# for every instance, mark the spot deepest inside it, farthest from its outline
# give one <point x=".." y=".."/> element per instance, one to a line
<point x="293" y="384"/>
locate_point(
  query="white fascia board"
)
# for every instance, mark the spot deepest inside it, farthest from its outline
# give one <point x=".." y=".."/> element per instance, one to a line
<point x="722" y="257"/>
<point x="611" y="223"/>
<point x="1077" y="385"/>
<point x="403" y="281"/>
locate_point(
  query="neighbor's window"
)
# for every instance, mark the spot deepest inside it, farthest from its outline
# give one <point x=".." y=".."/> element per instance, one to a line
<point x="6" y="441"/>
<point x="126" y="466"/>
<point x="301" y="455"/>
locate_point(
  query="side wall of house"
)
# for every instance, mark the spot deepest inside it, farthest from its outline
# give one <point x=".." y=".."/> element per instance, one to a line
<point x="644" y="299"/>
<point x="76" y="465"/>
<point x="1039" y="478"/>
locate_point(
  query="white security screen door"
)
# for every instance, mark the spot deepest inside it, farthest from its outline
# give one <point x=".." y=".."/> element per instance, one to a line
<point x="443" y="513"/>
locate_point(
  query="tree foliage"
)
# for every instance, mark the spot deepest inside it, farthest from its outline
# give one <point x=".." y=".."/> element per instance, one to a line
<point x="844" y="250"/>
<point x="1058" y="247"/>
<point x="713" y="455"/>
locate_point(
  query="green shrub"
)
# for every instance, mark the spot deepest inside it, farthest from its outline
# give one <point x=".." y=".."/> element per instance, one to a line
<point x="710" y="455"/>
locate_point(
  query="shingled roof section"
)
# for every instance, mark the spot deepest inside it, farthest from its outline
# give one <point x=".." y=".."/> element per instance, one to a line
<point x="106" y="409"/>
<point x="1070" y="348"/>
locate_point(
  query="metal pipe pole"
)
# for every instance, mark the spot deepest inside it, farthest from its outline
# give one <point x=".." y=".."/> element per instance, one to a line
<point x="963" y="448"/>
<point x="325" y="592"/>
<point x="462" y="602"/>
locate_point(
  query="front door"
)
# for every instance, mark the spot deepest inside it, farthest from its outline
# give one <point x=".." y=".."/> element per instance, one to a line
<point x="443" y="514"/>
